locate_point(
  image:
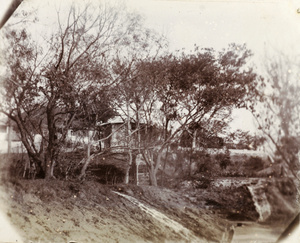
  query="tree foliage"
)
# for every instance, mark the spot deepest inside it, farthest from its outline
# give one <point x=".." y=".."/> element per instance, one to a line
<point x="173" y="92"/>
<point x="244" y="140"/>
<point x="278" y="109"/>
<point x="48" y="85"/>
<point x="99" y="61"/>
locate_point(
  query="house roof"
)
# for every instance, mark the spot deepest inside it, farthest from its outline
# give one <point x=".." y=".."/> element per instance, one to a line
<point x="115" y="120"/>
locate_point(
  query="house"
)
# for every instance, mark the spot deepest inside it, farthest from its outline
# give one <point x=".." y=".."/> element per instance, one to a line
<point x="10" y="141"/>
<point x="114" y="140"/>
<point x="114" y="134"/>
<point x="77" y="138"/>
<point x="110" y="135"/>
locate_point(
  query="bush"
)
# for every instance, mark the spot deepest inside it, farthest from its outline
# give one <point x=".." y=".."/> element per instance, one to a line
<point x="13" y="166"/>
<point x="223" y="159"/>
<point x="203" y="161"/>
<point x="202" y="183"/>
<point x="254" y="164"/>
<point x="107" y="174"/>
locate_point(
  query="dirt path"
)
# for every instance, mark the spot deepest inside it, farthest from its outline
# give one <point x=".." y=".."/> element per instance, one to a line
<point x="162" y="218"/>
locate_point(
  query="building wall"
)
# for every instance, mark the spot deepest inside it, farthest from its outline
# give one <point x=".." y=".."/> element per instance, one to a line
<point x="118" y="139"/>
<point x="3" y="139"/>
<point x="16" y="144"/>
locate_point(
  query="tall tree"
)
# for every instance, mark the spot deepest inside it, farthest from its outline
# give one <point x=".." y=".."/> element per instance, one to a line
<point x="129" y="93"/>
<point x="277" y="110"/>
<point x="96" y="109"/>
<point x="44" y="86"/>
<point x="188" y="89"/>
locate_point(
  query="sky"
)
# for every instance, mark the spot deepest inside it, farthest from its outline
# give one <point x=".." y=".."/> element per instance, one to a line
<point x="217" y="23"/>
<point x="266" y="26"/>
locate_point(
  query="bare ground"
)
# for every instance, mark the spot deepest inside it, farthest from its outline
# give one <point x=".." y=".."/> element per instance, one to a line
<point x="66" y="211"/>
<point x="61" y="211"/>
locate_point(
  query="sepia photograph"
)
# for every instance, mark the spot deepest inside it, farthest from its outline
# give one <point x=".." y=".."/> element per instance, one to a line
<point x="149" y="121"/>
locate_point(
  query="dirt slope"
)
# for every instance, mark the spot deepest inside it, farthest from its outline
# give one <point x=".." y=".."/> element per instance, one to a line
<point x="65" y="211"/>
<point x="62" y="211"/>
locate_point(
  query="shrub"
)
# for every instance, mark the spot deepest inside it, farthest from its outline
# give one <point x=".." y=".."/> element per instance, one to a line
<point x="203" y="161"/>
<point x="254" y="163"/>
<point x="223" y="159"/>
<point x="13" y="166"/>
<point x="107" y="174"/>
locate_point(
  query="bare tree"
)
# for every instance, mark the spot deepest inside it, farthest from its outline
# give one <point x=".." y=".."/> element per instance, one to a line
<point x="44" y="88"/>
<point x="145" y="44"/>
<point x="175" y="91"/>
<point x="278" y="109"/>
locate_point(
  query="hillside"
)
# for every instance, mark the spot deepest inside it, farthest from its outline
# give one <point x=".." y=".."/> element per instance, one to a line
<point x="72" y="211"/>
<point x="64" y="211"/>
<point x="61" y="211"/>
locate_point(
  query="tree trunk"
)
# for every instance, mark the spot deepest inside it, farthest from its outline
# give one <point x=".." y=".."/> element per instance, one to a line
<point x="48" y="169"/>
<point x="191" y="161"/>
<point x="50" y="158"/>
<point x="152" y="176"/>
<point x="9" y="137"/>
<point x="52" y="140"/>
<point x="151" y="166"/>
<point x="83" y="170"/>
<point x="136" y="178"/>
<point x="194" y="143"/>
<point x="52" y="169"/>
<point x="136" y="162"/>
<point x="88" y="159"/>
<point x="164" y="167"/>
<point x="126" y="179"/>
<point x="158" y="160"/>
<point x="39" y="165"/>
<point x="49" y="163"/>
<point x="129" y="134"/>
